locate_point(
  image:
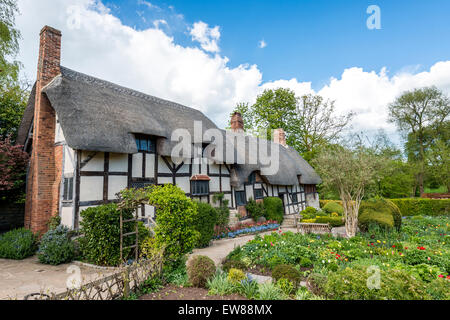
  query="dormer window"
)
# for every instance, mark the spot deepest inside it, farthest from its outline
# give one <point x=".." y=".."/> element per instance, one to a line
<point x="145" y="143"/>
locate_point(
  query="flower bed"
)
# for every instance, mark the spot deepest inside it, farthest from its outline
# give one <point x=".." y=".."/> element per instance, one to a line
<point x="245" y="228"/>
<point x="413" y="263"/>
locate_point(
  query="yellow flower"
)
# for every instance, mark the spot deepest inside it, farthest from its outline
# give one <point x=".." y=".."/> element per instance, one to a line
<point x="378" y="241"/>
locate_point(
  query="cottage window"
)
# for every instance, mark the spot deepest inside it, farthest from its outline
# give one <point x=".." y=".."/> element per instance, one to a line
<point x="240" y="198"/>
<point x="145" y="144"/>
<point x="68" y="189"/>
<point x="252" y="178"/>
<point x="294" y="198"/>
<point x="258" y="194"/>
<point x="200" y="188"/>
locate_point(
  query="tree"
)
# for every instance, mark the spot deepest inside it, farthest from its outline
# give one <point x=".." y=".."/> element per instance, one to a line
<point x="310" y="122"/>
<point x="9" y="38"/>
<point x="13" y="101"/>
<point x="349" y="172"/>
<point x="13" y="163"/>
<point x="415" y="113"/>
<point x="319" y="124"/>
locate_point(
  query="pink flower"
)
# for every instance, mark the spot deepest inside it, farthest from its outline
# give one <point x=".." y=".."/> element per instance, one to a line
<point x="429" y="258"/>
<point x="441" y="276"/>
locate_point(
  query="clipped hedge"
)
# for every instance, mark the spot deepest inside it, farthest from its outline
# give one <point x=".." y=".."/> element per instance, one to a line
<point x="423" y="207"/>
<point x="379" y="211"/>
<point x="274" y="210"/>
<point x="333" y="221"/>
<point x="333" y="206"/>
<point x="413" y="206"/>
<point x="204" y="223"/>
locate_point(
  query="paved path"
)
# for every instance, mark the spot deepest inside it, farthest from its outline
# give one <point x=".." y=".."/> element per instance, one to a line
<point x="221" y="248"/>
<point x="21" y="277"/>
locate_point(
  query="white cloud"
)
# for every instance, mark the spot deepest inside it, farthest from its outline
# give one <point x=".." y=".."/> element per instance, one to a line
<point x="262" y="44"/>
<point x="159" y="22"/>
<point x="147" y="4"/>
<point x="97" y="43"/>
<point x="208" y="37"/>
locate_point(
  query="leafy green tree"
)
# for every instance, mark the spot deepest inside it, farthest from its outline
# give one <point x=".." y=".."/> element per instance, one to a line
<point x="419" y="114"/>
<point x="350" y="172"/>
<point x="9" y="39"/>
<point x="13" y="101"/>
<point x="310" y="122"/>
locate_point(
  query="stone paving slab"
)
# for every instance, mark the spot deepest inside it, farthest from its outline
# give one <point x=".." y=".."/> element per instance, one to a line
<point x="21" y="277"/>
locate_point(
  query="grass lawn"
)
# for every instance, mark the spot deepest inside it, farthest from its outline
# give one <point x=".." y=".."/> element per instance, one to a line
<point x="441" y="189"/>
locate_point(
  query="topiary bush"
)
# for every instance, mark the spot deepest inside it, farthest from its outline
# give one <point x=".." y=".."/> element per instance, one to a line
<point x="204" y="223"/>
<point x="56" y="247"/>
<point x="285" y="271"/>
<point x="379" y="212"/>
<point x="255" y="209"/>
<point x="309" y="213"/>
<point x="332" y="206"/>
<point x="273" y="209"/>
<point x="100" y="243"/>
<point x="200" y="269"/>
<point x="17" y="244"/>
<point x="333" y="221"/>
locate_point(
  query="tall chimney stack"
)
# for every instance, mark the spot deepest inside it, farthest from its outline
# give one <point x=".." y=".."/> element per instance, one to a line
<point x="45" y="170"/>
<point x="279" y="136"/>
<point x="237" y="123"/>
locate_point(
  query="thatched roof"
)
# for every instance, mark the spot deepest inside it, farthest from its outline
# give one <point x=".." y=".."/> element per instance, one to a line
<point x="97" y="115"/>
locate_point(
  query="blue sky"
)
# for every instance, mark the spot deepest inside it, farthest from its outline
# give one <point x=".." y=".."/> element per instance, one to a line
<point x="206" y="54"/>
<point x="309" y="40"/>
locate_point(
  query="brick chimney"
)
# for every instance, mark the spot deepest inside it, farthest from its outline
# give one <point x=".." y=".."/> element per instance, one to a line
<point x="237" y="123"/>
<point x="45" y="170"/>
<point x="279" y="136"/>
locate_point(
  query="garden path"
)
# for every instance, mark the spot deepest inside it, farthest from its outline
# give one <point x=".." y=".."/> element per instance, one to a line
<point x="219" y="249"/>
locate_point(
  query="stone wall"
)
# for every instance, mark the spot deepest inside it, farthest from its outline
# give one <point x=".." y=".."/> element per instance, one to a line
<point x="11" y="216"/>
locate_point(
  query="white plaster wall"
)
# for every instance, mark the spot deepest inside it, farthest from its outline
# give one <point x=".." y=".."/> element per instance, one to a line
<point x="226" y="186"/>
<point x="67" y="217"/>
<point x="116" y="184"/>
<point x="137" y="165"/>
<point x="97" y="163"/>
<point x="118" y="162"/>
<point x="249" y="192"/>
<point x="69" y="160"/>
<point x="164" y="180"/>
<point x="311" y="202"/>
<point x="214" y="184"/>
<point x="184" y="169"/>
<point x="162" y="167"/>
<point x="214" y="168"/>
<point x="183" y="183"/>
<point x="59" y="135"/>
<point x="150" y="165"/>
<point x="91" y="188"/>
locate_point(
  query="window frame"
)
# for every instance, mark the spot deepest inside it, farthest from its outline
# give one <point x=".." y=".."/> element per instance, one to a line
<point x="244" y="198"/>
<point x="194" y="188"/>
<point x="294" y="201"/>
<point x="67" y="194"/>
<point x="150" y="143"/>
<point x="258" y="197"/>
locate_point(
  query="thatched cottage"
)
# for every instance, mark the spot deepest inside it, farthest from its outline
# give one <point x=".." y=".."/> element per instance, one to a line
<point x="88" y="139"/>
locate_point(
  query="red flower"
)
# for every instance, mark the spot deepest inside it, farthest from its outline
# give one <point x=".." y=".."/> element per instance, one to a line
<point x="406" y="248"/>
<point x="448" y="277"/>
<point x="421" y="248"/>
<point x="441" y="276"/>
<point x="393" y="246"/>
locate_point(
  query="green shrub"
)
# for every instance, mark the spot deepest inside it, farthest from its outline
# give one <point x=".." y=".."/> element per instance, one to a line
<point x="54" y="222"/>
<point x="305" y="262"/>
<point x="233" y="264"/>
<point x="255" y="209"/>
<point x="235" y="276"/>
<point x="286" y="286"/>
<point x="333" y="221"/>
<point x="351" y="284"/>
<point x="176" y="214"/>
<point x="248" y="288"/>
<point x="285" y="271"/>
<point x="222" y="211"/>
<point x="309" y="213"/>
<point x="204" y="223"/>
<point x="200" y="269"/>
<point x="423" y="207"/>
<point x="100" y="243"/>
<point x="56" y="247"/>
<point x="17" y="244"/>
<point x="274" y="209"/>
<point x="381" y="212"/>
<point x="332" y="206"/>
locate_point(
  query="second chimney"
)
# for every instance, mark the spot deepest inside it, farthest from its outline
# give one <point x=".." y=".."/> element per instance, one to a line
<point x="237" y="123"/>
<point x="279" y="136"/>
